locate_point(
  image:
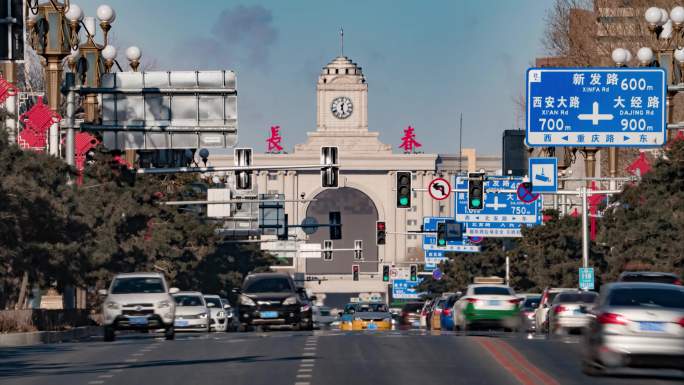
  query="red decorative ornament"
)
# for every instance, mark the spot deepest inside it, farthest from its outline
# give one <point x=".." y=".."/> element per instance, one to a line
<point x="7" y="89"/>
<point x="640" y="166"/>
<point x="594" y="201"/>
<point x="408" y="141"/>
<point x="37" y="122"/>
<point x="274" y="140"/>
<point x="84" y="143"/>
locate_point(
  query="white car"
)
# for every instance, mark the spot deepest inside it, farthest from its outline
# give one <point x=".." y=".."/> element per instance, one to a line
<point x="192" y="313"/>
<point x="541" y="313"/>
<point x="218" y="313"/>
<point x="138" y="301"/>
<point x="487" y="304"/>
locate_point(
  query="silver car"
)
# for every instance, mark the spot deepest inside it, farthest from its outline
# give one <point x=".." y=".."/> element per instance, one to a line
<point x="637" y="325"/>
<point x="192" y="313"/>
<point x="569" y="311"/>
<point x="217" y="312"/>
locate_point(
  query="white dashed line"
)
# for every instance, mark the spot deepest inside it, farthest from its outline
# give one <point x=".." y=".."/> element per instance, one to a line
<point x="303" y="376"/>
<point x="313" y="348"/>
<point x="131" y="360"/>
<point x="106" y="376"/>
<point x="96" y="382"/>
<point x="116" y="370"/>
<point x="308" y="360"/>
<point x="303" y="365"/>
<point x="303" y="370"/>
<point x="301" y="383"/>
<point x="138" y="354"/>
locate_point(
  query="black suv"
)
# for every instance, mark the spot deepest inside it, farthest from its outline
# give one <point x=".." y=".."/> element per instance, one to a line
<point x="270" y="300"/>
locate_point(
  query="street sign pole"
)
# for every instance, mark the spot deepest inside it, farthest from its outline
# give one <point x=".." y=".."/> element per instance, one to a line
<point x="585" y="228"/>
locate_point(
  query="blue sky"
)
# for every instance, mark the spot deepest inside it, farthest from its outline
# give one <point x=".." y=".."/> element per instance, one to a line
<point x="425" y="61"/>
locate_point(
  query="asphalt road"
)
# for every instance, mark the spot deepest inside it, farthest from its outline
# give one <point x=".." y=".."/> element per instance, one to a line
<point x="309" y="358"/>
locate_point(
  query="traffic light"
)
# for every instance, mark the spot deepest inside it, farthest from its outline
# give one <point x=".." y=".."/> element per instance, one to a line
<point x="414" y="273"/>
<point x="358" y="250"/>
<point x="335" y="225"/>
<point x="329" y="174"/>
<point x="385" y="273"/>
<point x="284" y="230"/>
<point x="380" y="233"/>
<point x="355" y="272"/>
<point x="441" y="234"/>
<point x="243" y="178"/>
<point x="327" y="250"/>
<point x="476" y="191"/>
<point x="403" y="189"/>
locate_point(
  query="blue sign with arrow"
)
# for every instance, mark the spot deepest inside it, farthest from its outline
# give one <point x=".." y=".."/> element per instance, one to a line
<point x="543" y="175"/>
<point x="430" y="241"/>
<point x="596" y="107"/>
<point x="503" y="214"/>
<point x="405" y="289"/>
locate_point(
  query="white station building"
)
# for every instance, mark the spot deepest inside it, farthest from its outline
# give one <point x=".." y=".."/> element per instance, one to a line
<point x="366" y="192"/>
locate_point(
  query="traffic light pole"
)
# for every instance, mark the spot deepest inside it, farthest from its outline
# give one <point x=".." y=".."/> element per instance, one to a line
<point x="173" y="170"/>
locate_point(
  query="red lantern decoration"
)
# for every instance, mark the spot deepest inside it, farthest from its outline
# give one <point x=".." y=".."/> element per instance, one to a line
<point x="37" y="122"/>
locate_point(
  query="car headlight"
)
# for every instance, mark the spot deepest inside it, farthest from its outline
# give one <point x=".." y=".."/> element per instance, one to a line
<point x="163" y="304"/>
<point x="244" y="300"/>
<point x="112" y="305"/>
<point x="291" y="301"/>
<point x="202" y="315"/>
<point x="221" y="314"/>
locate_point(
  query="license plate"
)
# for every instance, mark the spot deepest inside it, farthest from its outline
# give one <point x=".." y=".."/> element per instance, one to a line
<point x="372" y="326"/>
<point x="269" y="314"/>
<point x="651" y="326"/>
<point x="180" y="323"/>
<point x="494" y="303"/>
<point x="137" y="320"/>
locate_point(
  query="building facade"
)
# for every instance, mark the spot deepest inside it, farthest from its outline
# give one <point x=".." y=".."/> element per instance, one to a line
<point x="366" y="191"/>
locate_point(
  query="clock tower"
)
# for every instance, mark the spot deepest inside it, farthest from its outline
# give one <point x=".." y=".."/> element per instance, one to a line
<point x="342" y="111"/>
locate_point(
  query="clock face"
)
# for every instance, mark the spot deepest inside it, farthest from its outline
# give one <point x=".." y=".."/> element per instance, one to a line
<point x="341" y="107"/>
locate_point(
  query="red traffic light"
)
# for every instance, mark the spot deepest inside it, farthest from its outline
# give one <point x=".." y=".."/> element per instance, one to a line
<point x="380" y="226"/>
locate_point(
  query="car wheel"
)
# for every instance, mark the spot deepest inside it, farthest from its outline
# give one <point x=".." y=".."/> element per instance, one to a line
<point x="109" y="334"/>
<point x="591" y="369"/>
<point x="170" y="334"/>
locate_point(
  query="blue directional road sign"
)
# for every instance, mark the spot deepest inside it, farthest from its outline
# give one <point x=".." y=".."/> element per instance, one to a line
<point x="586" y="278"/>
<point x="543" y="174"/>
<point x="596" y="107"/>
<point x="430" y="241"/>
<point x="433" y="258"/>
<point x="503" y="214"/>
<point x="405" y="289"/>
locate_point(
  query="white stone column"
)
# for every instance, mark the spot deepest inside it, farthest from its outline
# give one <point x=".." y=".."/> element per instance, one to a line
<point x="262" y="182"/>
<point x="428" y="210"/>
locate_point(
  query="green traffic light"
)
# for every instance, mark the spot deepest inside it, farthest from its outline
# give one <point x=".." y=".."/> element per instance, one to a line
<point x="442" y="242"/>
<point x="403" y="201"/>
<point x="475" y="202"/>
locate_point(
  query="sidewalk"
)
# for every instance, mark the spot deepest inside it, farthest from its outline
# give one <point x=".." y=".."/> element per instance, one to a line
<point x="37" y="338"/>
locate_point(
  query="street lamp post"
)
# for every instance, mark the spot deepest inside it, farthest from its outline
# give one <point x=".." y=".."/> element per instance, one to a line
<point x="666" y="29"/>
<point x="52" y="37"/>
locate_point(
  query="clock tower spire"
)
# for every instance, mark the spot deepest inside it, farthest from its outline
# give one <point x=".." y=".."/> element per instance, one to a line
<point x="341" y="41"/>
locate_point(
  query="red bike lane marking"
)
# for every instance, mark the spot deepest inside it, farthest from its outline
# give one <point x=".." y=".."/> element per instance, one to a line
<point x="501" y="358"/>
<point x="521" y="360"/>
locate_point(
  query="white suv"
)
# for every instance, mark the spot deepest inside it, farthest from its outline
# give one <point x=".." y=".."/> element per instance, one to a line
<point x="138" y="301"/>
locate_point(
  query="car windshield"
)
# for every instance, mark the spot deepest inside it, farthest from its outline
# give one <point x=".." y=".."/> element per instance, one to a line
<point x="138" y="285"/>
<point x="268" y="285"/>
<point x="412" y="307"/>
<point x="647" y="297"/>
<point x="188" y="300"/>
<point x="531" y="303"/>
<point x="491" y="290"/>
<point x="213" y="300"/>
<point x="589" y="297"/>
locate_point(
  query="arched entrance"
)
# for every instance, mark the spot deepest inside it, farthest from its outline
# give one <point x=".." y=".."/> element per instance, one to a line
<point x="359" y="215"/>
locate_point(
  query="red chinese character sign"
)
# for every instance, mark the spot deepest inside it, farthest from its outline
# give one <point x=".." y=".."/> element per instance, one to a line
<point x="274" y="140"/>
<point x="37" y="122"/>
<point x="84" y="143"/>
<point x="408" y="142"/>
<point x="7" y="89"/>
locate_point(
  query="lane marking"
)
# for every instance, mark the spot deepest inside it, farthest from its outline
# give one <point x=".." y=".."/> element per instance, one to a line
<point x="499" y="357"/>
<point x="301" y="383"/>
<point x="303" y="376"/>
<point x="304" y="370"/>
<point x="306" y="365"/>
<point x="308" y="360"/>
<point x="131" y="360"/>
<point x="138" y="354"/>
<point x="96" y="382"/>
<point x="545" y="378"/>
<point x="106" y="376"/>
<point x="116" y="370"/>
<point x="310" y="348"/>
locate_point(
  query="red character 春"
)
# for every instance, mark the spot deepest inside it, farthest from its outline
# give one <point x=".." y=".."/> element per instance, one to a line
<point x="408" y="141"/>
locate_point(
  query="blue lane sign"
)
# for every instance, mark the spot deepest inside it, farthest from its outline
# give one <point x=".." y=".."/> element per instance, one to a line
<point x="543" y="175"/>
<point x="503" y="214"/>
<point x="405" y="289"/>
<point x="597" y="107"/>
<point x="586" y="278"/>
<point x="433" y="258"/>
<point x="430" y="241"/>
